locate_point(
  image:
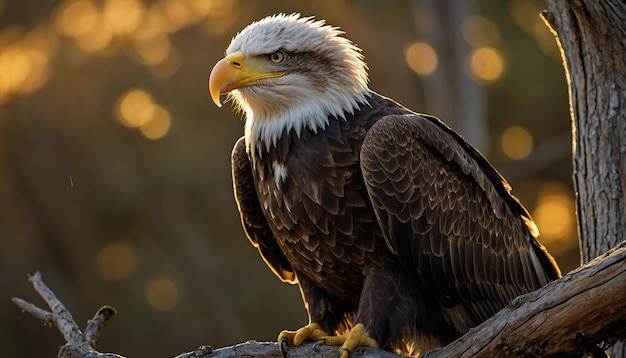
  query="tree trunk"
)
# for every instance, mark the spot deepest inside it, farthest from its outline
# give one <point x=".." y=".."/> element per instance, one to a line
<point x="592" y="38"/>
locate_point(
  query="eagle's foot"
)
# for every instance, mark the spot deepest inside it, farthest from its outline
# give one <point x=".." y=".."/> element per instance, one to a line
<point x="310" y="332"/>
<point x="356" y="337"/>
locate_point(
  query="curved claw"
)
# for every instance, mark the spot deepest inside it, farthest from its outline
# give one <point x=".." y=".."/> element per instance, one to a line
<point x="311" y="331"/>
<point x="282" y="345"/>
<point x="344" y="352"/>
<point x="319" y="341"/>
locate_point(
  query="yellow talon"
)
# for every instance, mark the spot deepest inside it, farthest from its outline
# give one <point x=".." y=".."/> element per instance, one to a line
<point x="310" y="332"/>
<point x="356" y="337"/>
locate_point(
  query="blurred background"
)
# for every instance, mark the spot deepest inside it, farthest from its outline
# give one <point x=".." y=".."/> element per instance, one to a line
<point x="114" y="162"/>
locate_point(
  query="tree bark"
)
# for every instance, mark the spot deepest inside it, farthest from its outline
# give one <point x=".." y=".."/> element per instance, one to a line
<point x="592" y="38"/>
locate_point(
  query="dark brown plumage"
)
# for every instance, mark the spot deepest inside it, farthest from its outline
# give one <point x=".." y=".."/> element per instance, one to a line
<point x="391" y="224"/>
<point x="390" y="218"/>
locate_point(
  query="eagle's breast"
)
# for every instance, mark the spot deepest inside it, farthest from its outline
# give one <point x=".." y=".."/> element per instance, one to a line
<point x="312" y="193"/>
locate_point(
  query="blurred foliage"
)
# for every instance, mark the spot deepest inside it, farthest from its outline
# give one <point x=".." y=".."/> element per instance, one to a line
<point x="114" y="162"/>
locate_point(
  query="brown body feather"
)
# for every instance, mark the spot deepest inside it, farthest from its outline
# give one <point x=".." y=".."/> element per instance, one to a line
<point x="390" y="219"/>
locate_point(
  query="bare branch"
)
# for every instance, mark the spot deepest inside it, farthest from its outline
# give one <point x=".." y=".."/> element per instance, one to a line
<point x="96" y="324"/>
<point x="578" y="312"/>
<point x="78" y="344"/>
<point x="46" y="317"/>
<point x="62" y="317"/>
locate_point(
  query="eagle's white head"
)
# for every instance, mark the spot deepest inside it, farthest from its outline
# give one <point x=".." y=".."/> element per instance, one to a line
<point x="290" y="72"/>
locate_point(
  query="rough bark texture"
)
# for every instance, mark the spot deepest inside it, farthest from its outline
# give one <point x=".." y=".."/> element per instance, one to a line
<point x="592" y="37"/>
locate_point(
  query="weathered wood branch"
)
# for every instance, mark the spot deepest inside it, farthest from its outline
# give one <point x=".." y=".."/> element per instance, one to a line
<point x="582" y="310"/>
<point x="79" y="344"/>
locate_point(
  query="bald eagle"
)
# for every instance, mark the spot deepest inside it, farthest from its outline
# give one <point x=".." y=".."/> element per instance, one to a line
<point x="398" y="232"/>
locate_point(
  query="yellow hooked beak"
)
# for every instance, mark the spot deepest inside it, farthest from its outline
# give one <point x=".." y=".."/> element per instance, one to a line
<point x="236" y="71"/>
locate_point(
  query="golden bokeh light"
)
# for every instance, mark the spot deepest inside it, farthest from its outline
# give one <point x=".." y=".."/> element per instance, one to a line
<point x="162" y="294"/>
<point x="157" y="18"/>
<point x="37" y="75"/>
<point x="44" y="40"/>
<point x="214" y="26"/>
<point x="555" y="213"/>
<point x="135" y="108"/>
<point x="516" y="142"/>
<point x="15" y="64"/>
<point x="421" y="58"/>
<point x="105" y="28"/>
<point x="25" y="61"/>
<point x="95" y="39"/>
<point x="76" y="17"/>
<point x="218" y="8"/>
<point x="159" y="124"/>
<point x="479" y="31"/>
<point x="116" y="261"/>
<point x="169" y="66"/>
<point x="123" y="16"/>
<point x="525" y="14"/>
<point x="178" y="13"/>
<point x="486" y="65"/>
<point x="152" y="46"/>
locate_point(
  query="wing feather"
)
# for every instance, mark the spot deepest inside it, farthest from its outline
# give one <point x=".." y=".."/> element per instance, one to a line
<point x="449" y="216"/>
<point x="252" y="218"/>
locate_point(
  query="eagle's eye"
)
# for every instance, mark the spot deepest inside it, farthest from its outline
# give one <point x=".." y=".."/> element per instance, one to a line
<point x="278" y="57"/>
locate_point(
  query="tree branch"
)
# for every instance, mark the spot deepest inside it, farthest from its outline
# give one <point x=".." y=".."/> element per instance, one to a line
<point x="78" y="344"/>
<point x="578" y="312"/>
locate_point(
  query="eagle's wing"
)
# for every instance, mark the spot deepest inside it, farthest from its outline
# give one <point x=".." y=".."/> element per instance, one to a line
<point x="252" y="218"/>
<point x="448" y="215"/>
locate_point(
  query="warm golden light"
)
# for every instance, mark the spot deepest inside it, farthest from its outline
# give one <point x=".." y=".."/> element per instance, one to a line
<point x="162" y="294"/>
<point x="76" y="17"/>
<point x="159" y="124"/>
<point x="123" y="16"/>
<point x="135" y="108"/>
<point x="218" y="8"/>
<point x="178" y="13"/>
<point x="213" y="26"/>
<point x="16" y="65"/>
<point x="421" y="58"/>
<point x="96" y="38"/>
<point x="516" y="142"/>
<point x="116" y="261"/>
<point x="525" y="14"/>
<point x="486" y="64"/>
<point x="479" y="31"/>
<point x="152" y="46"/>
<point x="38" y="74"/>
<point x="168" y="66"/>
<point x="44" y="40"/>
<point x="555" y="213"/>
